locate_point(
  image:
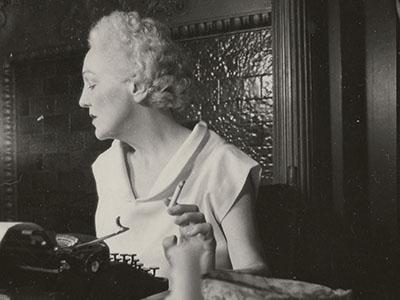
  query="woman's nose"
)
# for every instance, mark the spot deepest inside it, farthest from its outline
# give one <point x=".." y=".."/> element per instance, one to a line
<point x="84" y="100"/>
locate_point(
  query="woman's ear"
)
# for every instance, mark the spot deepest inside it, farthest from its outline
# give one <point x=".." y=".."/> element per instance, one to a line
<point x="138" y="90"/>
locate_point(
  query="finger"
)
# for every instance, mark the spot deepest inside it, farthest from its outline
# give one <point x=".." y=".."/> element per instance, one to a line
<point x="190" y="217"/>
<point x="202" y="233"/>
<point x="168" y="243"/>
<point x="179" y="209"/>
<point x="205" y="229"/>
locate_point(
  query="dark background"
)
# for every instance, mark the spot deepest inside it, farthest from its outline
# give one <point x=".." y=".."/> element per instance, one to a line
<point x="337" y="225"/>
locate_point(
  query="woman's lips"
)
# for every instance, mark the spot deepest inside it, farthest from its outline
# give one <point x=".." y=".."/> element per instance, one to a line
<point x="93" y="117"/>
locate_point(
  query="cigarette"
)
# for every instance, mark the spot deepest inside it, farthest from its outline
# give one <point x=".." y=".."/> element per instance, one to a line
<point x="176" y="194"/>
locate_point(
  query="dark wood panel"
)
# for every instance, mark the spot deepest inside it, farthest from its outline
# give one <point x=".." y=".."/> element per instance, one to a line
<point x="382" y="111"/>
<point x="302" y="139"/>
<point x="335" y="84"/>
<point x="382" y="132"/>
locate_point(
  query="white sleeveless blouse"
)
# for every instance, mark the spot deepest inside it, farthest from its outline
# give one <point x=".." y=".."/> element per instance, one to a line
<point x="215" y="173"/>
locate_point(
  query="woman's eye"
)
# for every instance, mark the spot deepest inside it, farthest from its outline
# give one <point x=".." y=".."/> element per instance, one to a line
<point x="92" y="86"/>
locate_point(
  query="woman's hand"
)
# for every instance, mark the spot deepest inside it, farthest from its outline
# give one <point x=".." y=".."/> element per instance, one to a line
<point x="196" y="236"/>
<point x="189" y="260"/>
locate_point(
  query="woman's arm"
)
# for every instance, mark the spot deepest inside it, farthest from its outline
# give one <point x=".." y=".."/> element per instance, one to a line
<point x="239" y="226"/>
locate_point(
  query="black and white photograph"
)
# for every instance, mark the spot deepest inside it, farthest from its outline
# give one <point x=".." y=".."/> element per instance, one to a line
<point x="199" y="149"/>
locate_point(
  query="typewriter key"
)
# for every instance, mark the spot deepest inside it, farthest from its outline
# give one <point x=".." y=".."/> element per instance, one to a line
<point x="125" y="258"/>
<point x="153" y="270"/>
<point x="113" y="256"/>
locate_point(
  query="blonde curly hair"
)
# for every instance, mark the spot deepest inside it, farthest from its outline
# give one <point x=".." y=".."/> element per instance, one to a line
<point x="151" y="54"/>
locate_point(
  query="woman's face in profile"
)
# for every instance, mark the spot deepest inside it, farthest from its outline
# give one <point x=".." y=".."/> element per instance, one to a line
<point x="106" y="95"/>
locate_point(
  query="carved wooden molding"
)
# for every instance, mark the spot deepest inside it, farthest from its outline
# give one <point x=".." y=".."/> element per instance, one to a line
<point x="79" y="16"/>
<point x="9" y="187"/>
<point x="292" y="82"/>
<point x="195" y="30"/>
<point x="261" y="19"/>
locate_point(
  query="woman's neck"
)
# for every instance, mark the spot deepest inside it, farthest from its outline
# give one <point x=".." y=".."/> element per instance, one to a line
<point x="155" y="142"/>
<point x="157" y="135"/>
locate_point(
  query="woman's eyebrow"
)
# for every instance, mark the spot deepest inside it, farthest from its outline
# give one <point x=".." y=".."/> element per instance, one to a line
<point x="89" y="76"/>
<point x="84" y="72"/>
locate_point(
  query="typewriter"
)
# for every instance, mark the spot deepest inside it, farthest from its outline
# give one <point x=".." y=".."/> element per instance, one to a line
<point x="40" y="264"/>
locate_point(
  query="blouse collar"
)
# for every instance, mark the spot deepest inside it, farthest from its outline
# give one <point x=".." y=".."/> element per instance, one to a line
<point x="176" y="170"/>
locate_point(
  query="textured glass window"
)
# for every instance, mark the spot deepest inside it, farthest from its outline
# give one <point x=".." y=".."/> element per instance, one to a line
<point x="235" y="94"/>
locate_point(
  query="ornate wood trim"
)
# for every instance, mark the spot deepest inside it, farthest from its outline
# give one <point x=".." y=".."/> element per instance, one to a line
<point x="9" y="187"/>
<point x="292" y="81"/>
<point x="230" y="24"/>
<point x="301" y="85"/>
<point x="258" y="20"/>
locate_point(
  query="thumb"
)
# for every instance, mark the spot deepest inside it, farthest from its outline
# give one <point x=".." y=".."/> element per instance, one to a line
<point x="168" y="243"/>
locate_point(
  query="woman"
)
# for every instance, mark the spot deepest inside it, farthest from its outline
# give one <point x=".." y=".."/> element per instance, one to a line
<point x="134" y="76"/>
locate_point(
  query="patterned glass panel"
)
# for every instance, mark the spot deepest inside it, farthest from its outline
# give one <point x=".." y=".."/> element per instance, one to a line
<point x="235" y="95"/>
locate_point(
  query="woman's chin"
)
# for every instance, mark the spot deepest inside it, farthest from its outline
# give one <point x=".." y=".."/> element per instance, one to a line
<point x="100" y="135"/>
<point x="105" y="135"/>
